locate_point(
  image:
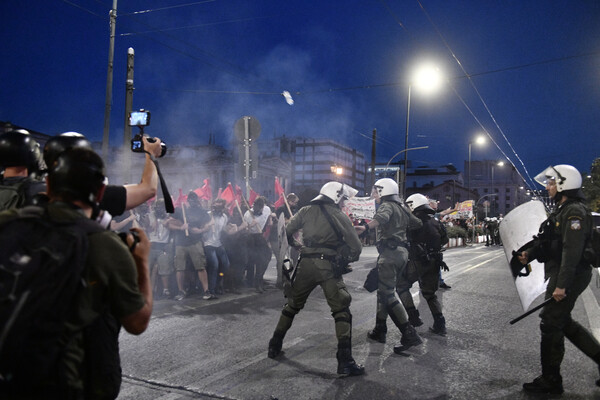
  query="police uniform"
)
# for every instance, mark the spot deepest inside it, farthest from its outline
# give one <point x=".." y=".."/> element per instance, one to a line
<point x="316" y="268"/>
<point x="561" y="248"/>
<point x="394" y="221"/>
<point x="424" y="266"/>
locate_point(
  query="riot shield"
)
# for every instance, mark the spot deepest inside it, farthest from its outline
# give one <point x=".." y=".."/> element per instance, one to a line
<point x="517" y="230"/>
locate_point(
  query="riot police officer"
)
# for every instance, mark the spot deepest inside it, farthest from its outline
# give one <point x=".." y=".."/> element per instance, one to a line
<point x="330" y="241"/>
<point x="561" y="246"/>
<point x="425" y="260"/>
<point x="392" y="221"/>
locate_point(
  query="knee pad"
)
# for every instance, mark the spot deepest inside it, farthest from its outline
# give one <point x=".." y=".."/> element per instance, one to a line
<point x="290" y="311"/>
<point x="342" y="316"/>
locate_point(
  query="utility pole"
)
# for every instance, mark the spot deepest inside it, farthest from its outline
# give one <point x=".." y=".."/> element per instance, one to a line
<point x="373" y="154"/>
<point x="128" y="107"/>
<point x="109" y="79"/>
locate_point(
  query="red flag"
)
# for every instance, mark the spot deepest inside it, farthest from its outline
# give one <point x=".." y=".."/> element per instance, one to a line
<point x="228" y="195"/>
<point x="205" y="192"/>
<point x="279" y="203"/>
<point x="278" y="188"/>
<point x="180" y="200"/>
<point x="253" y="196"/>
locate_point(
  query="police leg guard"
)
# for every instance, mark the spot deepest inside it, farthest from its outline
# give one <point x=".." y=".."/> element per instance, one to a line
<point x="439" y="325"/>
<point x="275" y="344"/>
<point x="410" y="338"/>
<point x="414" y="317"/>
<point x="346" y="364"/>
<point x="379" y="332"/>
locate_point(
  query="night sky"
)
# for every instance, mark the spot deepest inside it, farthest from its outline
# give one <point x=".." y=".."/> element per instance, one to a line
<point x="528" y="72"/>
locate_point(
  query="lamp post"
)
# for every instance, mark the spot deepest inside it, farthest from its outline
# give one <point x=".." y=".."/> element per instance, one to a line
<point x="400" y="152"/>
<point x="426" y="78"/>
<point x="478" y="140"/>
<point x="500" y="164"/>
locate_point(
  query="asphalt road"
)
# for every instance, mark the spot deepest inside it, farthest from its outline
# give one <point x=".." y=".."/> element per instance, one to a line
<point x="197" y="349"/>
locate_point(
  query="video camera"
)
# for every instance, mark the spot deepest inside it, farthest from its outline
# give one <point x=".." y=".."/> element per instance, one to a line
<point x="141" y="119"/>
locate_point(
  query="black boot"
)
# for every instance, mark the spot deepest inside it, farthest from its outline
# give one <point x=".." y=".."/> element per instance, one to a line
<point x="378" y="334"/>
<point x="598" y="381"/>
<point x="275" y="345"/>
<point x="414" y="316"/>
<point x="346" y="364"/>
<point x="549" y="384"/>
<point x="410" y="338"/>
<point x="439" y="325"/>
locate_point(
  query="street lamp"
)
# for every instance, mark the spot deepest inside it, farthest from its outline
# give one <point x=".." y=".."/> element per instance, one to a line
<point x="478" y="140"/>
<point x="499" y="164"/>
<point x="427" y="78"/>
<point x="400" y="152"/>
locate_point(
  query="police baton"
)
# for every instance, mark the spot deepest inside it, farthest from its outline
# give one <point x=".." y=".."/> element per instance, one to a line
<point x="534" y="309"/>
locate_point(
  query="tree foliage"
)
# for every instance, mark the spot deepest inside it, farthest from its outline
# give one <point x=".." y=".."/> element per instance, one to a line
<point x="591" y="186"/>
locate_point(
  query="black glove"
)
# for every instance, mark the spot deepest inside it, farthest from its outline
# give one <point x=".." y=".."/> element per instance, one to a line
<point x="444" y="266"/>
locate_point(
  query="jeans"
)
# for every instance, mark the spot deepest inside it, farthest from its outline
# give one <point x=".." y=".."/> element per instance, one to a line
<point x="215" y="257"/>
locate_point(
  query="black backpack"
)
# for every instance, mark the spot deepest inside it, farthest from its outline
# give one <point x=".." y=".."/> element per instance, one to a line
<point x="41" y="264"/>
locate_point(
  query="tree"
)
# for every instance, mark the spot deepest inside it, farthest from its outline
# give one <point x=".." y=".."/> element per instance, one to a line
<point x="591" y="186"/>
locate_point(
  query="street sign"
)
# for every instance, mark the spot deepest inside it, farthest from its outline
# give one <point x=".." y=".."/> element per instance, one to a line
<point x="253" y="126"/>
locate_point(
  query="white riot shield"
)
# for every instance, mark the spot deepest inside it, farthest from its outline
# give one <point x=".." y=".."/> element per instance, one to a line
<point x="516" y="231"/>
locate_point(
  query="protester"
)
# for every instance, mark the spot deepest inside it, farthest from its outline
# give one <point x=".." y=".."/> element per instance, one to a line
<point x="217" y="262"/>
<point x="259" y="253"/>
<point x="188" y="224"/>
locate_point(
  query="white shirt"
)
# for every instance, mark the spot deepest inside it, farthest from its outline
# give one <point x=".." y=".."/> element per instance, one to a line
<point x="212" y="237"/>
<point x="261" y="220"/>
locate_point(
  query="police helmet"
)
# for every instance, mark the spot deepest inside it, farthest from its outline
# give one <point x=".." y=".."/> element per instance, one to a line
<point x="77" y="174"/>
<point x="336" y="192"/>
<point x="19" y="149"/>
<point x="566" y="176"/>
<point x="417" y="200"/>
<point x="386" y="187"/>
<point x="59" y="143"/>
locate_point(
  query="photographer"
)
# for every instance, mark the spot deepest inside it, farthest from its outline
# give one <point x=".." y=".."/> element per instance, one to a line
<point x="117" y="199"/>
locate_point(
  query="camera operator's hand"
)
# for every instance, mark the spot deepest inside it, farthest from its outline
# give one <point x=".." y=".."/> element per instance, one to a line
<point x="153" y="148"/>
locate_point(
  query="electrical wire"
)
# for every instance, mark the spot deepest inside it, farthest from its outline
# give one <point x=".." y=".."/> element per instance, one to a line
<point x="169" y="7"/>
<point x="482" y="101"/>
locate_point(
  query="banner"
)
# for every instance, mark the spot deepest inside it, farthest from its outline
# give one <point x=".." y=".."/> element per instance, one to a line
<point x="516" y="231"/>
<point x="465" y="210"/>
<point x="360" y="207"/>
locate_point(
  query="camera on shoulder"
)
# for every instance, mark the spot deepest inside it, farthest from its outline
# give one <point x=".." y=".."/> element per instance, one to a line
<point x="141" y="119"/>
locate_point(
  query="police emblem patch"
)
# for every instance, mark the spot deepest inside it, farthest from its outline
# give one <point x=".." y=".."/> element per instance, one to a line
<point x="575" y="224"/>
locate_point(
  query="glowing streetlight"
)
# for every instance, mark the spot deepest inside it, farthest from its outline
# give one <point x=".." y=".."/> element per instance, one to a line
<point x="478" y="140"/>
<point x="427" y="79"/>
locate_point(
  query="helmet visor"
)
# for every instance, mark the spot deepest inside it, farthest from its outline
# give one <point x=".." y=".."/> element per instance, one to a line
<point x="548" y="174"/>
